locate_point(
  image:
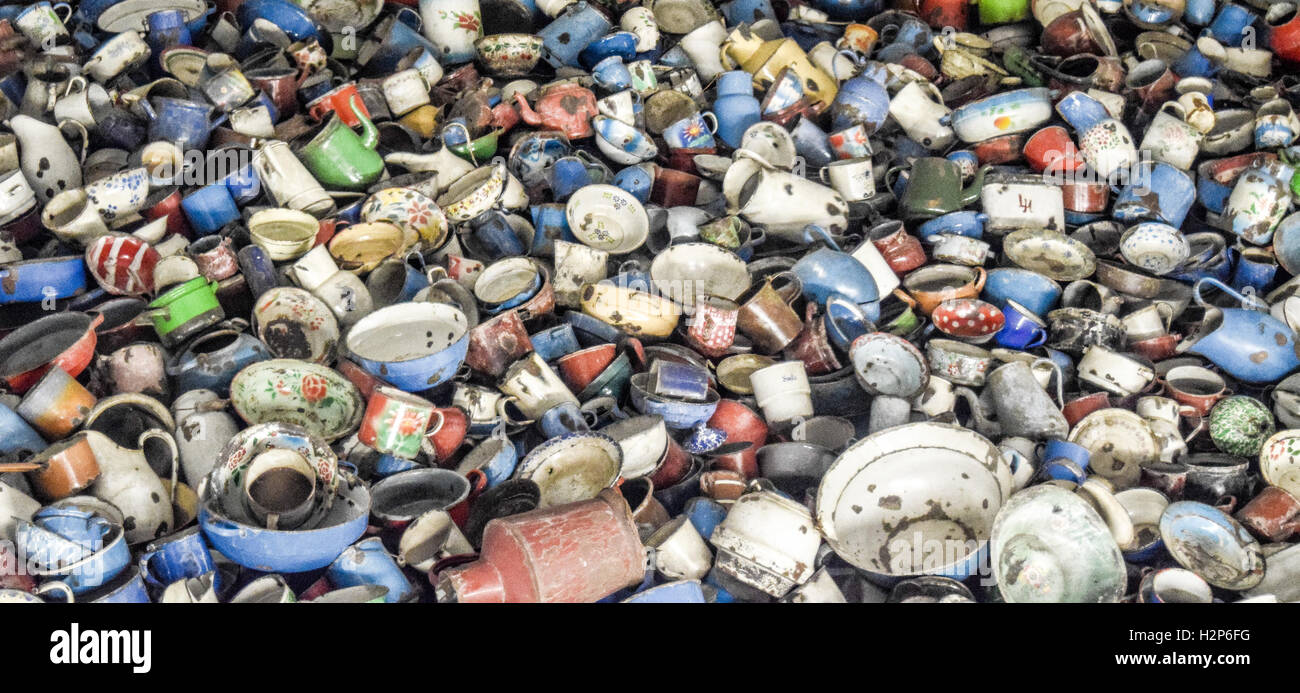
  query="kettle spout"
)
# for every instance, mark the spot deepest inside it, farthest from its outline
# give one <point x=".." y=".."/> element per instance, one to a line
<point x="526" y="112"/>
<point x="972" y="191"/>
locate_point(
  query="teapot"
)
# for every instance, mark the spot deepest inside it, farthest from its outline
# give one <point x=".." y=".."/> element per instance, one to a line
<point x="828" y="271"/>
<point x="566" y="107"/>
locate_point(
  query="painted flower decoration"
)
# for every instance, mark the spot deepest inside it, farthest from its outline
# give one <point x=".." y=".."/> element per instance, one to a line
<point x="408" y="421"/>
<point x="314" y="388"/>
<point x="469" y="21"/>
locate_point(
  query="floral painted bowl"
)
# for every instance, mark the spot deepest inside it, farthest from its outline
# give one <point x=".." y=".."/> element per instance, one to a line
<point x="317" y="398"/>
<point x="509" y="55"/>
<point x="294" y="324"/>
<point x="1050" y="253"/>
<point x="474" y="193"/>
<point x="409" y="209"/>
<point x="968" y="318"/>
<point x="1155" y="247"/>
<point x="361" y="247"/>
<point x="607" y="218"/>
<point x="227" y="474"/>
<point x="1279" y="461"/>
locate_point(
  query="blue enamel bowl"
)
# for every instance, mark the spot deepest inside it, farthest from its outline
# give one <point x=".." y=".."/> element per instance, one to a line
<point x="294" y="551"/>
<point x="414" y="346"/>
<point x="677" y="414"/>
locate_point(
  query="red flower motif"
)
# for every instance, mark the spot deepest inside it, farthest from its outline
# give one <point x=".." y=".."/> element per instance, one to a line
<point x="314" y="388"/>
<point x="410" y="422"/>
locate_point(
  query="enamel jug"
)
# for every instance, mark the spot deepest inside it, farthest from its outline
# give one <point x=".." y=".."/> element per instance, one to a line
<point x="1247" y="342"/>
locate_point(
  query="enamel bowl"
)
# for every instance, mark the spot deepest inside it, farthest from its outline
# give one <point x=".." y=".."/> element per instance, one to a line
<point x="1208" y="542"/>
<point x="677" y="414"/>
<point x="912" y="500"/>
<point x="968" y="318"/>
<point x="413" y="346"/>
<point x="688" y="271"/>
<point x="361" y="247"/>
<point x="225" y="479"/>
<point x="287" y="551"/>
<point x="1155" y="247"/>
<point x="1279" y="461"/>
<point x="294" y="324"/>
<point x="573" y="467"/>
<point x="409" y="209"/>
<point x="607" y="217"/>
<point x="285" y="234"/>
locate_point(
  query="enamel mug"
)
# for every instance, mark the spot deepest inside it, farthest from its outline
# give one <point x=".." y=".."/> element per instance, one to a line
<point x="851" y="178"/>
<point x="1113" y="372"/>
<point x="782" y="391"/>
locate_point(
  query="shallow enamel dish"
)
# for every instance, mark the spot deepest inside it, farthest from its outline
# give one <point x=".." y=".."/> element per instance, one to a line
<point x="1208" y="542"/>
<point x="607" y="218"/>
<point x="302" y="393"/>
<point x="1119" y="441"/>
<point x="131" y="15"/>
<point x="1050" y="253"/>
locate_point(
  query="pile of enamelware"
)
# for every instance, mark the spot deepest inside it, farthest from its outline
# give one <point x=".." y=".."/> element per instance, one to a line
<point x="591" y="300"/>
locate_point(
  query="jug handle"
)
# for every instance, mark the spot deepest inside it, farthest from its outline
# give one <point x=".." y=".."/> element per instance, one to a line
<point x="981" y="276"/>
<point x="171" y="449"/>
<point x="1060" y="389"/>
<point x="1247" y="303"/>
<point x="85" y="136"/>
